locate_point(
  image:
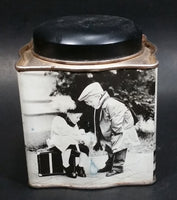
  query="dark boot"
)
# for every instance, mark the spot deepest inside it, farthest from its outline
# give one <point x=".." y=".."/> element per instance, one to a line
<point x="113" y="171"/>
<point x="109" y="162"/>
<point x="108" y="165"/>
<point x="80" y="171"/>
<point x="118" y="163"/>
<point x="70" y="172"/>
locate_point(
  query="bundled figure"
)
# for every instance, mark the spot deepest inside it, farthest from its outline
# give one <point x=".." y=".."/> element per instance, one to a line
<point x="69" y="139"/>
<point x="114" y="127"/>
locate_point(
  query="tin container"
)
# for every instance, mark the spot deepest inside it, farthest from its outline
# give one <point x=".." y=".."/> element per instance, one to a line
<point x="88" y="92"/>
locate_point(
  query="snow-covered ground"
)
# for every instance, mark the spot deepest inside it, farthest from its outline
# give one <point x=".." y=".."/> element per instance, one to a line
<point x="138" y="170"/>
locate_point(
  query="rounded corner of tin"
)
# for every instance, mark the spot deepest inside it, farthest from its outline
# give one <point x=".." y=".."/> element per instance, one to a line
<point x="34" y="185"/>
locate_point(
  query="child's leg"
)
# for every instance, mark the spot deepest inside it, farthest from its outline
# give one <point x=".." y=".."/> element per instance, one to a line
<point x="82" y="159"/>
<point x="65" y="157"/>
<point x="84" y="152"/>
<point x="81" y="163"/>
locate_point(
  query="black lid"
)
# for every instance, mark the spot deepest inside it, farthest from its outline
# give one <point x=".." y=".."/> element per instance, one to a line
<point x="90" y="37"/>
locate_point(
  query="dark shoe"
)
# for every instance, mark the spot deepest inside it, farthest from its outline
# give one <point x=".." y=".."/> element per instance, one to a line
<point x="105" y="169"/>
<point x="113" y="172"/>
<point x="108" y="164"/>
<point x="70" y="173"/>
<point x="80" y="171"/>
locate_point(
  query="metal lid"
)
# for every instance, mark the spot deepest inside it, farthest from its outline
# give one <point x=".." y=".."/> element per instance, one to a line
<point x="90" y="37"/>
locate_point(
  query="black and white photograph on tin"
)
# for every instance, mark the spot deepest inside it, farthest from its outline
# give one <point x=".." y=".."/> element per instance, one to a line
<point x="89" y="129"/>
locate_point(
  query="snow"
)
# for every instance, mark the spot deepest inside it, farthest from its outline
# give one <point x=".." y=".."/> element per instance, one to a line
<point x="138" y="169"/>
